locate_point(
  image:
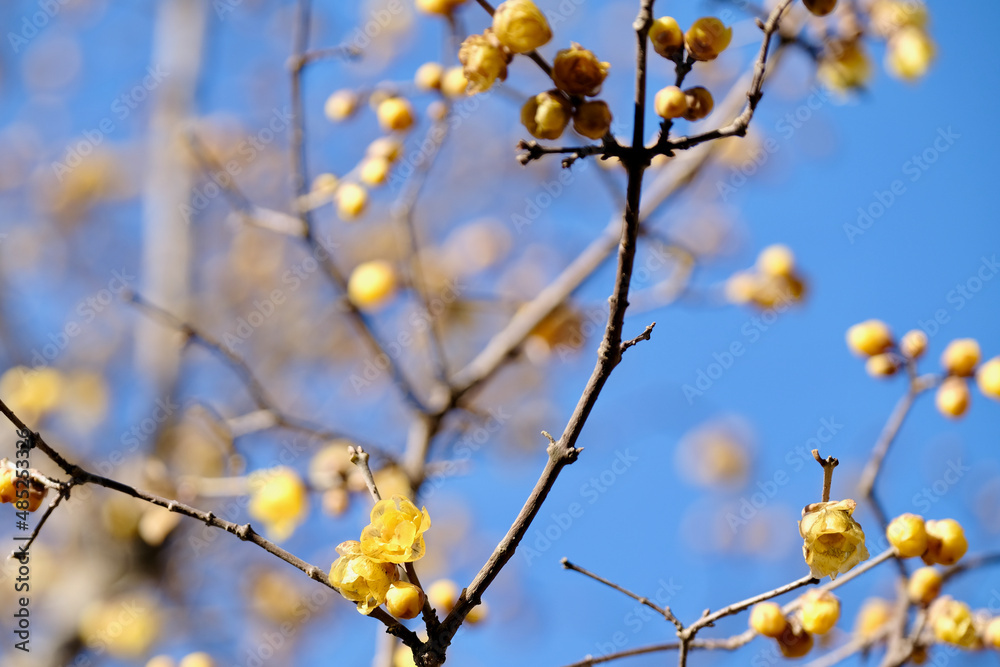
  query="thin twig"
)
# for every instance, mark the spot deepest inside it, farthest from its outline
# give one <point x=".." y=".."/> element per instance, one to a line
<point x="643" y="336"/>
<point x="23" y="549"/>
<point x="829" y="463"/>
<point x="663" y="611"/>
<point x="359" y="457"/>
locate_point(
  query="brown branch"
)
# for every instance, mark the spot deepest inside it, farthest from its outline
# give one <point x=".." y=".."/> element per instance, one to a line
<point x="829" y="463"/>
<point x="635" y="341"/>
<point x="662" y="611"/>
<point x="359" y="457"/>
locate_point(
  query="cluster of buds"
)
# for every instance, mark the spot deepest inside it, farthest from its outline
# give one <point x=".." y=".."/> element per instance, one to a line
<point x="818" y="613"/>
<point x="21" y="487"/>
<point x="936" y="542"/>
<point x="773" y="281"/>
<point x="959" y="361"/>
<point x="367" y="571"/>
<point x="704" y="41"/>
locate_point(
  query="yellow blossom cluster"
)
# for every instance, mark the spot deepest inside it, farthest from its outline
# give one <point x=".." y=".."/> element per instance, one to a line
<point x="773" y="282"/>
<point x="366" y="571"/>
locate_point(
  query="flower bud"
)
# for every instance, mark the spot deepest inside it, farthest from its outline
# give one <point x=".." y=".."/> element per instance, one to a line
<point x="699" y="103"/>
<point x="671" y="102"/>
<point x="924" y="585"/>
<point x="443" y="594"/>
<point x="577" y="71"/>
<point x="352" y="200"/>
<point x="946" y="542"/>
<point x="961" y="357"/>
<point x="198" y="659"/>
<point x="478" y="614"/>
<point x="454" y="83"/>
<point x="874" y="614"/>
<point x="741" y="287"/>
<point x="404" y="600"/>
<point x="991" y="635"/>
<point x="869" y="338"/>
<point x="952" y="398"/>
<point x="521" y="26"/>
<point x="820" y="7"/>
<point x="794" y="644"/>
<point x="374" y="171"/>
<point x="914" y="344"/>
<point x="767" y="619"/>
<point x="442" y="7"/>
<point x="592" y="119"/>
<point x="776" y="260"/>
<point x="844" y="66"/>
<point x="907" y="534"/>
<point x="988" y="378"/>
<point x="909" y="54"/>
<point x="372" y="284"/>
<point x="428" y="76"/>
<point x="666" y="36"/>
<point x="820" y="612"/>
<point x="707" y="38"/>
<point x="952" y="622"/>
<point x="881" y="365"/>
<point x="340" y="105"/>
<point x="395" y="114"/>
<point x="546" y="115"/>
<point x="389" y="148"/>
<point x="833" y="542"/>
<point x="483" y="61"/>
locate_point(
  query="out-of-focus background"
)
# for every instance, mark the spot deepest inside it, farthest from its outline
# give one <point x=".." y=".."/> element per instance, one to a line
<point x="696" y="461"/>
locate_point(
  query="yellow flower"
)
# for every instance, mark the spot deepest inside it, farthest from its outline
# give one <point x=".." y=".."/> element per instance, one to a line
<point x="913" y="344"/>
<point x="30" y="392"/>
<point x="820" y="611"/>
<point x="443" y="595"/>
<point x="404" y="600"/>
<point x="546" y="115"/>
<point x="952" y="397"/>
<point x="888" y="16"/>
<point x="521" y="26"/>
<point x="483" y="60"/>
<point x="352" y="200"/>
<point x="881" y="365"/>
<point x="707" y="38"/>
<point x="952" y="622"/>
<point x="395" y="114"/>
<point x="699" y="103"/>
<point x="341" y="105"/>
<point x="874" y="614"/>
<point x="372" y="284"/>
<point x="454" y="83"/>
<point x="666" y="36"/>
<point x="592" y="119"/>
<point x="907" y="534"/>
<point x="820" y="7"/>
<point x="767" y="619"/>
<point x="833" y="540"/>
<point x="443" y="7"/>
<point x="670" y="102"/>
<point x="845" y="66"/>
<point x="374" y="170"/>
<point x="777" y="261"/>
<point x="924" y="585"/>
<point x="991" y="635"/>
<point x="577" y="71"/>
<point x="278" y="498"/>
<point x="428" y="76"/>
<point x="961" y="357"/>
<point x="869" y="338"/>
<point x="199" y="659"/>
<point x="946" y="543"/>
<point x="909" y="54"/>
<point x="396" y="531"/>
<point x="988" y="378"/>
<point x="361" y="579"/>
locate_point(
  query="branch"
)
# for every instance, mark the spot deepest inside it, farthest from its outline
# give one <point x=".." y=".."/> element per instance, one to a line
<point x="829" y="463"/>
<point x="635" y="341"/>
<point x="663" y="611"/>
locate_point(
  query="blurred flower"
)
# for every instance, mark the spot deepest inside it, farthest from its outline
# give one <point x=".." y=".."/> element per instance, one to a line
<point x="909" y="54"/>
<point x="372" y="284"/>
<point x="844" y="66"/>
<point x="952" y="622"/>
<point x="126" y="626"/>
<point x="767" y="619"/>
<point x="278" y="498"/>
<point x="820" y="611"/>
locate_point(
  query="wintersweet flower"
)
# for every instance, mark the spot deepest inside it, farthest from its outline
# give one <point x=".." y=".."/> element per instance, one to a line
<point x="360" y="578"/>
<point x="278" y="498"/>
<point x="483" y="61"/>
<point x="577" y="71"/>
<point x="521" y="26"/>
<point x="396" y="531"/>
<point x="707" y="38"/>
<point x="952" y="622"/>
<point x="833" y="540"/>
<point x="546" y="115"/>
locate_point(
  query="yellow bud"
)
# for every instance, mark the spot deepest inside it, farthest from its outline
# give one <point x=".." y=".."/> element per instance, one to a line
<point x="340" y="105"/>
<point x="429" y="76"/>
<point x="546" y="115"/>
<point x="741" y="287"/>
<point x="924" y="585"/>
<point x="443" y="594"/>
<point x="961" y="357"/>
<point x="521" y="26"/>
<point x="374" y="171"/>
<point x="795" y="644"/>
<point x="767" y="619"/>
<point x="707" y="38"/>
<point x="483" y="60"/>
<point x="991" y="636"/>
<point x="395" y="114"/>
<point x="845" y="66"/>
<point x="952" y="622"/>
<point x="909" y="54"/>
<point x="454" y="83"/>
<point x="197" y="660"/>
<point x="372" y="284"/>
<point x="478" y="614"/>
<point x="279" y="499"/>
<point x="404" y="600"/>
<point x="820" y="612"/>
<point x="776" y="260"/>
<point x="988" y="378"/>
<point x="442" y="7"/>
<point x="592" y="119"/>
<point x="820" y="7"/>
<point x="577" y="71"/>
<point x="352" y="199"/>
<point x="888" y="16"/>
<point x="699" y="103"/>
<point x="389" y="148"/>
<point x="946" y="542"/>
<point x="869" y="338"/>
<point x="833" y="542"/>
<point x="874" y="614"/>
<point x="907" y="534"/>
<point x="666" y="36"/>
<point x="952" y="398"/>
<point x="671" y="102"/>
<point x="914" y="344"/>
<point x="881" y="365"/>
